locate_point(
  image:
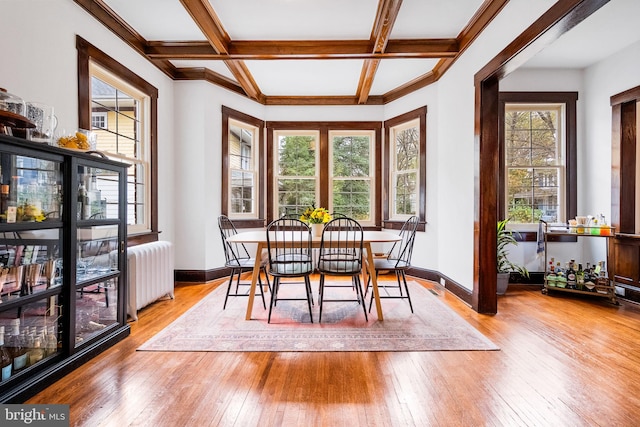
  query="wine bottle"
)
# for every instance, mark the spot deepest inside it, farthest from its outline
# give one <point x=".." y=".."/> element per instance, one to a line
<point x="16" y="345"/>
<point x="580" y="278"/>
<point x="571" y="276"/>
<point x="6" y="363"/>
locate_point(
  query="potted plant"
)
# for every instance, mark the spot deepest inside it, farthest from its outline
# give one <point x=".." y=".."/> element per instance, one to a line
<point x="504" y="265"/>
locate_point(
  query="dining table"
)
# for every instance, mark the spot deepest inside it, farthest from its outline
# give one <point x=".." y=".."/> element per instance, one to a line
<point x="259" y="237"/>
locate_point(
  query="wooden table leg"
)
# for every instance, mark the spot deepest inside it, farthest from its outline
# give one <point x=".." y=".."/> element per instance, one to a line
<point x="254" y="279"/>
<point x="374" y="280"/>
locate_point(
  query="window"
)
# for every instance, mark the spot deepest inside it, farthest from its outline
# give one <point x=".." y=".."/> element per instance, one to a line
<point x="537" y="157"/>
<point x="352" y="175"/>
<point x="296" y="169"/>
<point x="405" y="166"/>
<point x="534" y="159"/>
<point x="121" y="108"/>
<point x="242" y="169"/>
<point x="332" y="165"/>
<point x="98" y="120"/>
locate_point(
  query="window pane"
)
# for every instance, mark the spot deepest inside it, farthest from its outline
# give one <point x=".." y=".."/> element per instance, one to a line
<point x="297" y="156"/>
<point x="352" y="198"/>
<point x="241" y="192"/>
<point x="135" y="195"/>
<point x="533" y="194"/>
<point x="406" y="194"/>
<point x="351" y="156"/>
<point x="295" y="195"/>
<point x="407" y="149"/>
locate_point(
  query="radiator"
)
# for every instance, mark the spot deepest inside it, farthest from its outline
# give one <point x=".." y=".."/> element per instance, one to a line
<point x="150" y="268"/>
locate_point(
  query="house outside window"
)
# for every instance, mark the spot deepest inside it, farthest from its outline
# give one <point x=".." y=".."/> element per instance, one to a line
<point x="99" y="120"/>
<point x="243" y="170"/>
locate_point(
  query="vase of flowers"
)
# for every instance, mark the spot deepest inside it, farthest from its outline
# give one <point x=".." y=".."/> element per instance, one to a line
<point x="316" y="218"/>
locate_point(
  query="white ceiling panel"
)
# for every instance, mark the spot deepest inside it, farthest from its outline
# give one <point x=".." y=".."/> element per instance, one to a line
<point x="394" y="73"/>
<point x="157" y="19"/>
<point x="433" y="18"/>
<point x="297" y="19"/>
<point x="612" y="28"/>
<point x="306" y="78"/>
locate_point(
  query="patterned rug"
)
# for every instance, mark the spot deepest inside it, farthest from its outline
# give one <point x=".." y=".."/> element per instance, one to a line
<point x="207" y="327"/>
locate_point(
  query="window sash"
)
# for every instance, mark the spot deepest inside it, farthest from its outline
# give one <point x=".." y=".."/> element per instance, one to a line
<point x="126" y="139"/>
<point x="294" y="191"/>
<point x="526" y="153"/>
<point x="355" y="191"/>
<point x="400" y="171"/>
<point x="243" y="170"/>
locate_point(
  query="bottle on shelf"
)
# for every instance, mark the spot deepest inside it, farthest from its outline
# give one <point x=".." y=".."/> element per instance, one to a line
<point x="16" y="346"/>
<point x="571" y="276"/>
<point x="12" y="202"/>
<point x="4" y="201"/>
<point x="580" y="278"/>
<point x="51" y="345"/>
<point x="36" y="353"/>
<point x="94" y="197"/>
<point x="6" y="363"/>
<point x="561" y="278"/>
<point x="84" y="208"/>
<point x="551" y="273"/>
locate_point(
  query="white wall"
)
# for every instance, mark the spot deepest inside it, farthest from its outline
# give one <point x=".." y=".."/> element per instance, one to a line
<point x="39" y="63"/>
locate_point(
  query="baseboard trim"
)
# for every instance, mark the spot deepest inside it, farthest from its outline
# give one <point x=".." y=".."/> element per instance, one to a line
<point x="201" y="276"/>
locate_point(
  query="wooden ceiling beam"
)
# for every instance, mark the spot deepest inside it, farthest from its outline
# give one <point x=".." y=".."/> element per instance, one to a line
<point x="304" y="49"/>
<point x="385" y="18"/>
<point x="207" y="20"/>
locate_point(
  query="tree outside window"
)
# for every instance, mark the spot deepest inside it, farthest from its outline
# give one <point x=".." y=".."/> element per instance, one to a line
<point x="296" y="178"/>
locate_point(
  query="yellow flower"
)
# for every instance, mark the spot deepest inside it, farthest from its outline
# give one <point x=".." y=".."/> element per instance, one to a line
<point x="316" y="216"/>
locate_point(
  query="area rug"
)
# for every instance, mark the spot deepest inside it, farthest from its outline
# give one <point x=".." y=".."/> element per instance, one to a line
<point x="207" y="327"/>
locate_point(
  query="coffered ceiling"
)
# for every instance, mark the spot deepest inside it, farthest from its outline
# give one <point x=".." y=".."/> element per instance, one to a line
<point x="331" y="52"/>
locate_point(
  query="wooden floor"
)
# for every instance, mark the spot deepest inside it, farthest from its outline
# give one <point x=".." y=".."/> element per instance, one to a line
<point x="563" y="362"/>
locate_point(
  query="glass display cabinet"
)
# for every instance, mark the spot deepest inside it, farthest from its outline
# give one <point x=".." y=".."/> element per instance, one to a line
<point x="62" y="262"/>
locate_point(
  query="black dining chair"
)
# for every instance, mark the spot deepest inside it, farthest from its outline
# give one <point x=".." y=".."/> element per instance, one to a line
<point x="239" y="261"/>
<point x="398" y="260"/>
<point x="341" y="255"/>
<point x="290" y="256"/>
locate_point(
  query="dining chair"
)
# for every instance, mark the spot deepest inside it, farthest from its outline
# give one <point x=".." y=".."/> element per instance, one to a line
<point x="239" y="261"/>
<point x="290" y="256"/>
<point x="398" y="260"/>
<point x="341" y="255"/>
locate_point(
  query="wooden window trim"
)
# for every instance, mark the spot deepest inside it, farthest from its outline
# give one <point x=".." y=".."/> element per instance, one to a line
<point x="231" y="114"/>
<point x="421" y="114"/>
<point x="86" y="53"/>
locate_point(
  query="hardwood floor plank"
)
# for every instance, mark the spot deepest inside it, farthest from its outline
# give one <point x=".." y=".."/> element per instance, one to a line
<point x="562" y="361"/>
